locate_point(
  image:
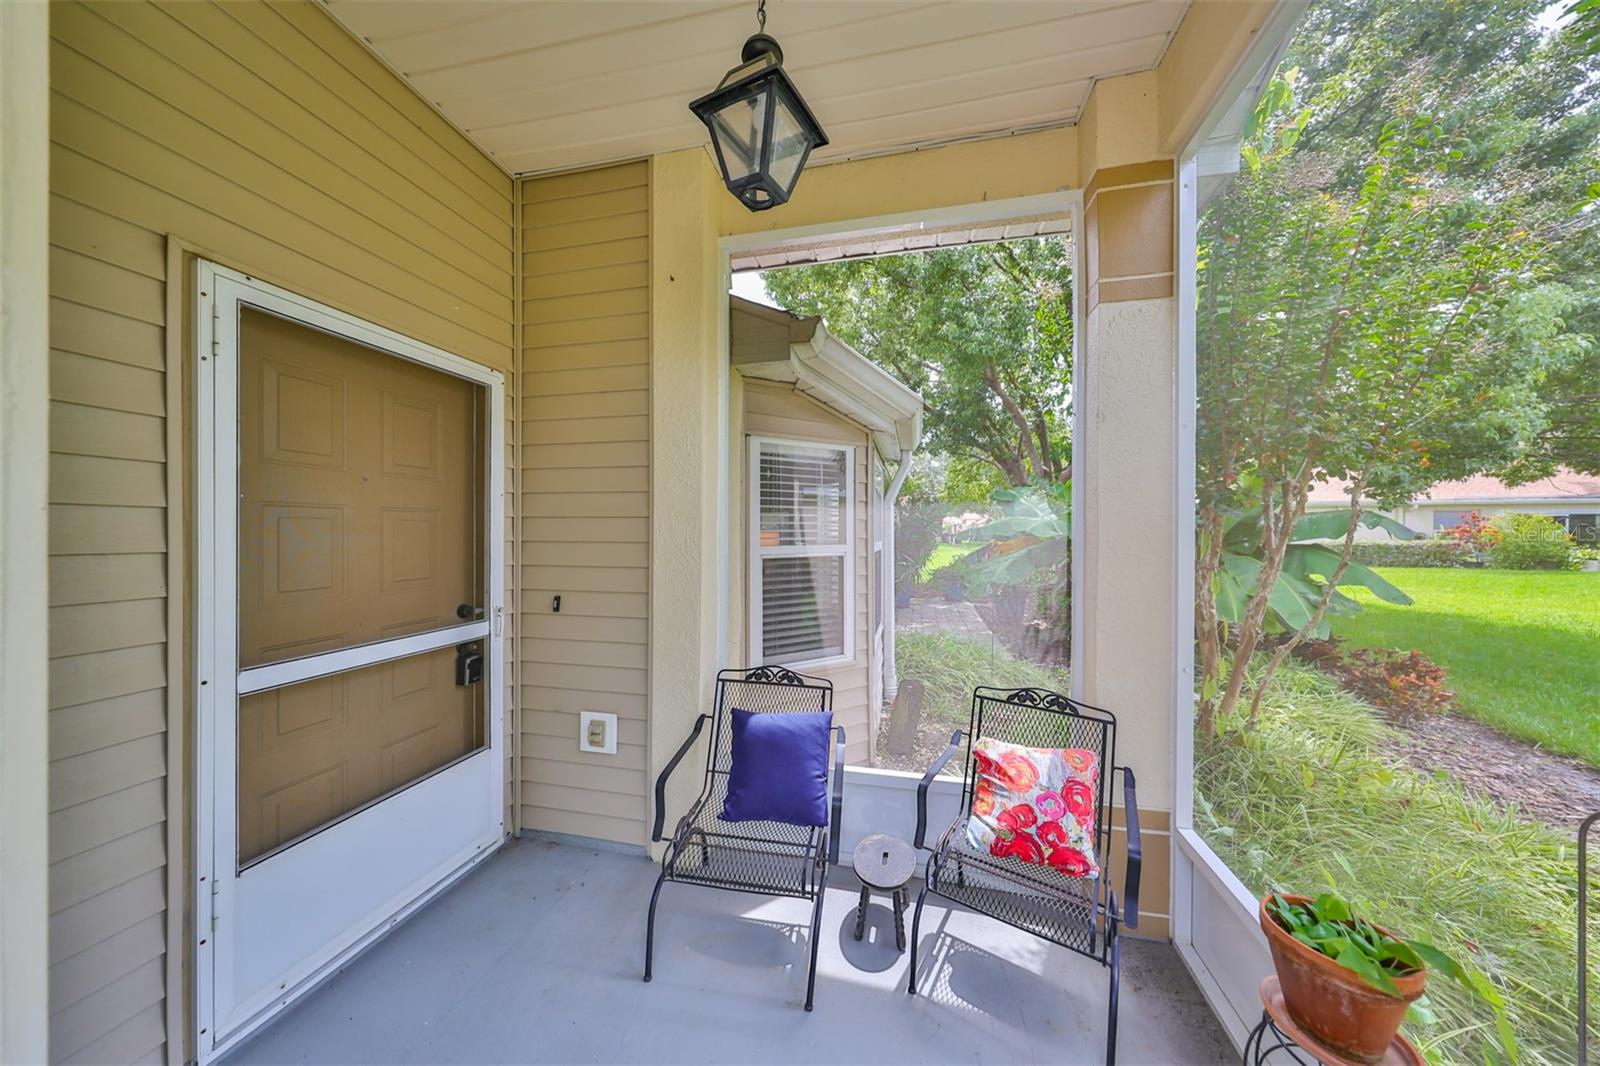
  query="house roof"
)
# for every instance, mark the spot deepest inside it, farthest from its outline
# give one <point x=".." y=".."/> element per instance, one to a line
<point x="828" y="370"/>
<point x="1564" y="485"/>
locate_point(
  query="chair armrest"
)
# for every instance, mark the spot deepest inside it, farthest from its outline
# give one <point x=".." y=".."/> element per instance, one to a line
<point x="927" y="779"/>
<point x="836" y="811"/>
<point x="1130" y="812"/>
<point x="672" y="764"/>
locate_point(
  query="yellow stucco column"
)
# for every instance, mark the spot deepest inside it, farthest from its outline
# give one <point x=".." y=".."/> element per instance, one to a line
<point x="1124" y="462"/>
<point x="686" y="432"/>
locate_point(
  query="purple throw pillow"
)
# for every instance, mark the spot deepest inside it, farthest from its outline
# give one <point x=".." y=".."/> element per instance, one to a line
<point x="780" y="768"/>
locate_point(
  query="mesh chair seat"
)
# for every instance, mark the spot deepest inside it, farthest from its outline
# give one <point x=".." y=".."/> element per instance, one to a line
<point x="770" y="858"/>
<point x="1031" y="897"/>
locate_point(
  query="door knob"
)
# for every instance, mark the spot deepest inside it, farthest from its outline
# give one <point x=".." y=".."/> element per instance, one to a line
<point x="465" y="611"/>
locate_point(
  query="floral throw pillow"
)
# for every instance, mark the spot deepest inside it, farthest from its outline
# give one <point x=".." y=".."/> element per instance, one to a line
<point x="1036" y="805"/>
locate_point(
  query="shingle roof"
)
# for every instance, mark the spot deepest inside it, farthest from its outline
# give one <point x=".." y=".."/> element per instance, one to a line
<point x="1482" y="488"/>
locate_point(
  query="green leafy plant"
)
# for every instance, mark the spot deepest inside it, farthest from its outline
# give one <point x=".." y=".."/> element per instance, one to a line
<point x="1329" y="926"/>
<point x="1529" y="542"/>
<point x="1308" y="566"/>
<point x="1302" y="594"/>
<point x="1030" y="543"/>
<point x="951" y="666"/>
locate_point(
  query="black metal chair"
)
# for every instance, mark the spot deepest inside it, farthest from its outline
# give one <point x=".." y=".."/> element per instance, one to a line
<point x="1080" y="914"/>
<point x="767" y="858"/>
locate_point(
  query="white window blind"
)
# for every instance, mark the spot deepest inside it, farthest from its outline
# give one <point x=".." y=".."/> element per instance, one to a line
<point x="800" y="560"/>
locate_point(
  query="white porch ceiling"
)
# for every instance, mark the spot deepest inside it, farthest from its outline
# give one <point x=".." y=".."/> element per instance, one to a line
<point x="550" y="85"/>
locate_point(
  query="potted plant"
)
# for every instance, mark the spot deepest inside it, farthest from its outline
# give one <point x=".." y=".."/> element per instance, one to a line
<point x="1349" y="982"/>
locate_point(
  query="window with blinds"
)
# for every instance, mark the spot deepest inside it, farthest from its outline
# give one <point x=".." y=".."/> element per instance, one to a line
<point x="800" y="572"/>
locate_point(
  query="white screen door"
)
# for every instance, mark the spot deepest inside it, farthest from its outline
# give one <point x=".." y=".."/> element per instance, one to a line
<point x="349" y="612"/>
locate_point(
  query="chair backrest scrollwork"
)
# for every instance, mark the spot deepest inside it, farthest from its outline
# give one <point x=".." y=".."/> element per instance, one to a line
<point x="762" y="690"/>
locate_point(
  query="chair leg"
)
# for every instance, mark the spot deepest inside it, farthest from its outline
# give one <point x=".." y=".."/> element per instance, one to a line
<point x="650" y="924"/>
<point x="916" y="934"/>
<point x="861" y="912"/>
<point x="1111" y="1014"/>
<point x="816" y="935"/>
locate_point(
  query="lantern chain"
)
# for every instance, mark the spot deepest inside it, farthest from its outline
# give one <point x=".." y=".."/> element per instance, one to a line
<point x="761" y="16"/>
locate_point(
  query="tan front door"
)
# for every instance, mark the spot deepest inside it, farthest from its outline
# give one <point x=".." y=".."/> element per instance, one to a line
<point x="361" y="503"/>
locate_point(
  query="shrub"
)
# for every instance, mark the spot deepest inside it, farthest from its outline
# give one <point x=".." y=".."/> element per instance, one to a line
<point x="951" y="667"/>
<point x="1474" y="533"/>
<point x="1529" y="542"/>
<point x="1429" y="552"/>
<point x="1407" y="684"/>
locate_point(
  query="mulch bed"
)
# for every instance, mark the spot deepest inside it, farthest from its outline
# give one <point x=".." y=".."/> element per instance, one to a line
<point x="1555" y="789"/>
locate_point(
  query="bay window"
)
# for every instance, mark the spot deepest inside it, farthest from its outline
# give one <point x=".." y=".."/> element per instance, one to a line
<point x="801" y="580"/>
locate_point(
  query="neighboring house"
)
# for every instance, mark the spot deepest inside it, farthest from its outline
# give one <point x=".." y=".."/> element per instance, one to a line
<point x="1571" y="497"/>
<point x="816" y="429"/>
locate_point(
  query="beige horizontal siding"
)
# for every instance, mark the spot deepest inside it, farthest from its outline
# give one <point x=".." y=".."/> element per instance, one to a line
<point x="263" y="136"/>
<point x="585" y="502"/>
<point x="772" y="410"/>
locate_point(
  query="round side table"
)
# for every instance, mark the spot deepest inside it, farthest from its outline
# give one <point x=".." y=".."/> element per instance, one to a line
<point x="1278" y="1032"/>
<point x="885" y="863"/>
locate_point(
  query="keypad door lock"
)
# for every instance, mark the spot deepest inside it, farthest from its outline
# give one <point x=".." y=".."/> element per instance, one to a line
<point x="469" y="664"/>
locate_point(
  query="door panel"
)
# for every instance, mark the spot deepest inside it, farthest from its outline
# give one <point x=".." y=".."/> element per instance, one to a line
<point x="360" y="493"/>
<point x="313" y="752"/>
<point x="349" y="483"/>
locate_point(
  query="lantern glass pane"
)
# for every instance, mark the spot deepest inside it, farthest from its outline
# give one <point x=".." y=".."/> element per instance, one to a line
<point x="738" y="128"/>
<point x="790" y="142"/>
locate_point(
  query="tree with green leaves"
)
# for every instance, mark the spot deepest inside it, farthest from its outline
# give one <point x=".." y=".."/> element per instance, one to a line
<point x="984" y="333"/>
<point x="1518" y="94"/>
<point x="1387" y="332"/>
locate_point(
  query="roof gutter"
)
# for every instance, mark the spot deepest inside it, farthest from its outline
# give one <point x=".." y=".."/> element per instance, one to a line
<point x="837" y="375"/>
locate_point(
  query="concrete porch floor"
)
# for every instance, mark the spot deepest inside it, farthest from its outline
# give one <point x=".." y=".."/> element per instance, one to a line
<point x="537" y="956"/>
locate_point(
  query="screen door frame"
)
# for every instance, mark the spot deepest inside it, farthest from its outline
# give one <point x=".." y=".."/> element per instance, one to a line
<point x="226" y="1015"/>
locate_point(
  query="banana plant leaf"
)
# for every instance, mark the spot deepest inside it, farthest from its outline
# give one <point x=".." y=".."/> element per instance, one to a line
<point x="1334" y="525"/>
<point x="1307" y="567"/>
<point x="1028" y="559"/>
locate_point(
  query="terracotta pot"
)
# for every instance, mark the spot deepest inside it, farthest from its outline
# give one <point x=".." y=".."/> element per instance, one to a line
<point x="1332" y="1003"/>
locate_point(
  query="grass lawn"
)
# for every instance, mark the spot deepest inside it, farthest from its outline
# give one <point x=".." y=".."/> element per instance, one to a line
<point x="1520" y="649"/>
<point x="945" y="554"/>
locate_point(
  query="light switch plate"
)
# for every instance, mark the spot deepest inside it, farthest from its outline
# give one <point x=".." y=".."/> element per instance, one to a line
<point x="597" y="732"/>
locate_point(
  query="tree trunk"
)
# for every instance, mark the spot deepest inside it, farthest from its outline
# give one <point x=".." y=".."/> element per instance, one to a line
<point x="1283" y="650"/>
<point x="905" y="718"/>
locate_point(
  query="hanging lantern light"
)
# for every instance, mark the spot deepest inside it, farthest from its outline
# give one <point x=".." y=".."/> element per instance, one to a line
<point x="761" y="128"/>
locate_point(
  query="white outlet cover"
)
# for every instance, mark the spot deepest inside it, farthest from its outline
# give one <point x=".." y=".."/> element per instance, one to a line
<point x="608" y="720"/>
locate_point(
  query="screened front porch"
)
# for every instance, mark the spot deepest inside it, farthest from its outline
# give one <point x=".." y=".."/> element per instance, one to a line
<point x="536" y="957"/>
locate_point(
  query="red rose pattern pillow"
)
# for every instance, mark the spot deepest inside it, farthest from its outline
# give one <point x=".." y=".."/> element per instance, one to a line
<point x="1036" y="805"/>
